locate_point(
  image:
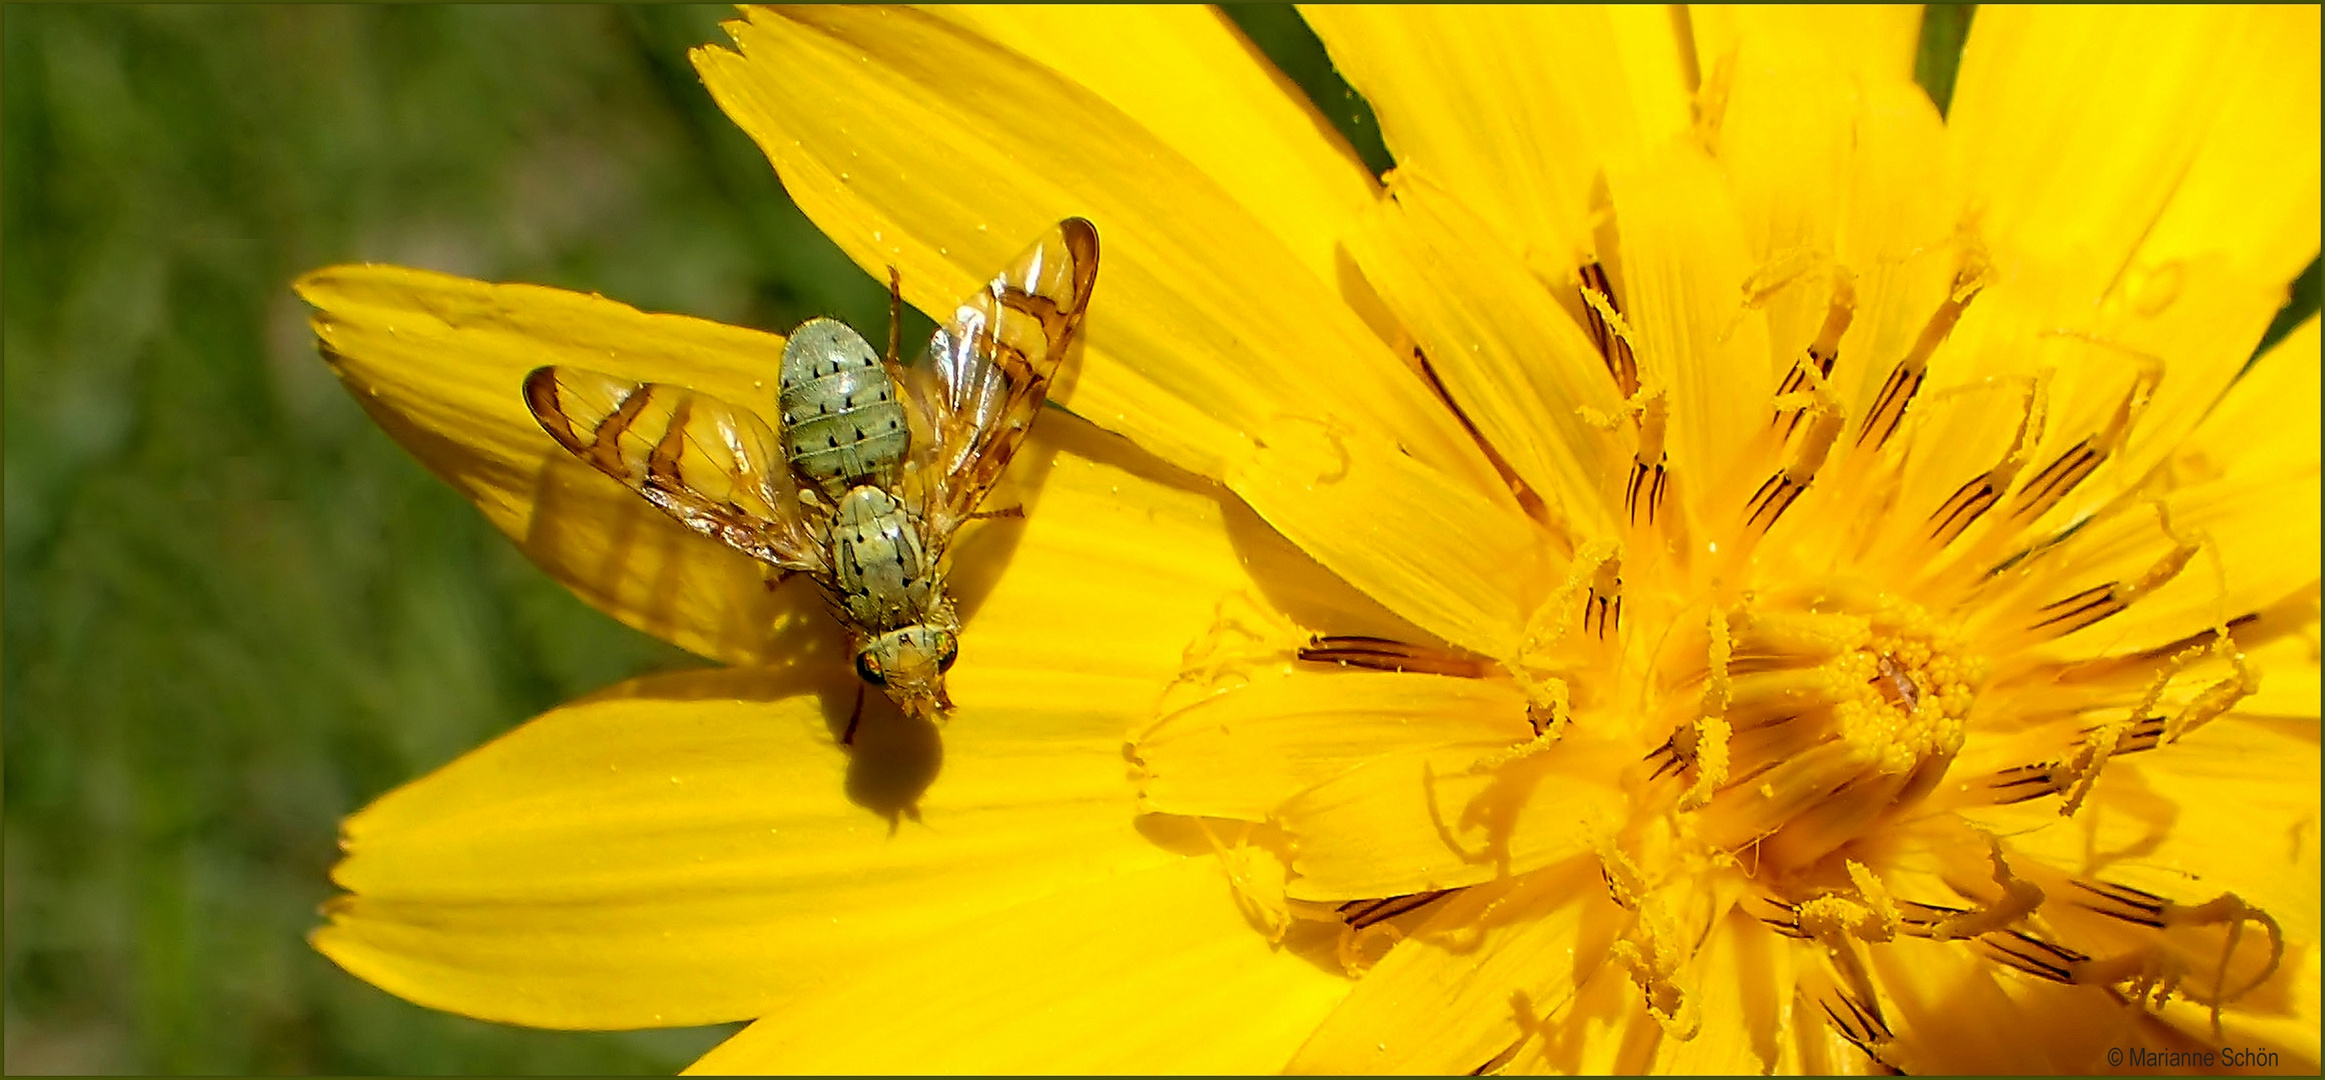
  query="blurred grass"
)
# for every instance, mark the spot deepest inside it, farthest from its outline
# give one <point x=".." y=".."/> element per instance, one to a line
<point x="235" y="611"/>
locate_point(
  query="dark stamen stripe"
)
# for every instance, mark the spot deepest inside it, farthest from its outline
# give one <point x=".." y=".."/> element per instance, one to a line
<point x="1776" y="495"/>
<point x="2145" y="734"/>
<point x="2023" y="783"/>
<point x="2123" y="902"/>
<point x="2033" y="955"/>
<point x="1601" y="615"/>
<point x="1667" y="758"/>
<point x="2080" y="610"/>
<point x="1382" y="654"/>
<point x="1889" y="408"/>
<point x="1528" y="499"/>
<point x="1359" y="914"/>
<point x="1905" y="379"/>
<point x="1612" y="349"/>
<point x="1963" y="508"/>
<point x="2058" y="479"/>
<point x="1639" y="475"/>
<point x="1921" y="920"/>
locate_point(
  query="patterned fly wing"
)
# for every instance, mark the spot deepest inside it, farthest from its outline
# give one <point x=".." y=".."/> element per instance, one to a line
<point x="988" y="370"/>
<point x="715" y="467"/>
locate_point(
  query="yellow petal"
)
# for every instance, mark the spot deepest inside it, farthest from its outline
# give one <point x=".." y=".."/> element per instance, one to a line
<point x="1489" y="964"/>
<point x="916" y="144"/>
<point x="698" y="851"/>
<point x="2066" y="184"/>
<point x="1516" y="109"/>
<point x="1187" y="75"/>
<point x="2251" y="193"/>
<point x="1863" y="42"/>
<point x="438" y="362"/>
<point x="1238" y="753"/>
<point x="1152" y="970"/>
<point x="1415" y="821"/>
<point x="2287" y="667"/>
<point x="1508" y="354"/>
<point x="2268" y="420"/>
<point x="1453" y="562"/>
<point x="1684" y="262"/>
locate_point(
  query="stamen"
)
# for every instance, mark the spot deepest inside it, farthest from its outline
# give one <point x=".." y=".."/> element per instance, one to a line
<point x="1671" y="757"/>
<point x="2071" y="468"/>
<point x="1843" y="990"/>
<point x="1825" y="350"/>
<point x="1973" y="499"/>
<point x="2025" y="783"/>
<point x="1244" y="633"/>
<point x="1648" y="467"/>
<point x="2019" y="899"/>
<point x="1602" y="611"/>
<point x="1594" y="584"/>
<point x="1921" y="920"/>
<point x="1717" y="691"/>
<point x="2062" y="617"/>
<point x="1603" y="317"/>
<point x="1625" y="885"/>
<point x="1654" y="949"/>
<point x="1360" y="914"/>
<point x="2134" y="906"/>
<point x="1711" y="762"/>
<point x="1780" y="491"/>
<point x="1382" y="654"/>
<point x="1905" y="380"/>
<point x="2217" y="698"/>
<point x="1255" y="877"/>
<point x="2079" y="772"/>
<point x="2033" y="955"/>
<point x="1869" y="916"/>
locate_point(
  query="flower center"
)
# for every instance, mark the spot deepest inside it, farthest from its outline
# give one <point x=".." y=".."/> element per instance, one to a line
<point x="1821" y="713"/>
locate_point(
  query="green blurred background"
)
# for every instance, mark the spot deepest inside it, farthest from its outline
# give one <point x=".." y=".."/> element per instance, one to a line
<point x="234" y="610"/>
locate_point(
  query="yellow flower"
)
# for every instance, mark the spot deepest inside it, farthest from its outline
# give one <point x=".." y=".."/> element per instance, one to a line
<point x="1808" y="588"/>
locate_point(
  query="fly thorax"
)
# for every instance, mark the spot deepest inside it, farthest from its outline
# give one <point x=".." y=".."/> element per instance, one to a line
<point x="842" y="424"/>
<point x="883" y="572"/>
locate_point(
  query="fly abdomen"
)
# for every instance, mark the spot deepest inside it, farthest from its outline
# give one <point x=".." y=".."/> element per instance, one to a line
<point x="842" y="424"/>
<point x="879" y="565"/>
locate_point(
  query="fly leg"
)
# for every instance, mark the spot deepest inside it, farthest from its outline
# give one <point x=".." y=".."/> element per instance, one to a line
<point x="848" y="737"/>
<point x="895" y="318"/>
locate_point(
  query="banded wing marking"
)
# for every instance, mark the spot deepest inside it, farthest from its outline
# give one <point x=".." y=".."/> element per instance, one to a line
<point x="989" y="367"/>
<point x="715" y="467"/>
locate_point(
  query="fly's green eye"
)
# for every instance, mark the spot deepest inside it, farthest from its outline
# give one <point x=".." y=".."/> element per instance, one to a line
<point x="869" y="669"/>
<point x="948" y="650"/>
